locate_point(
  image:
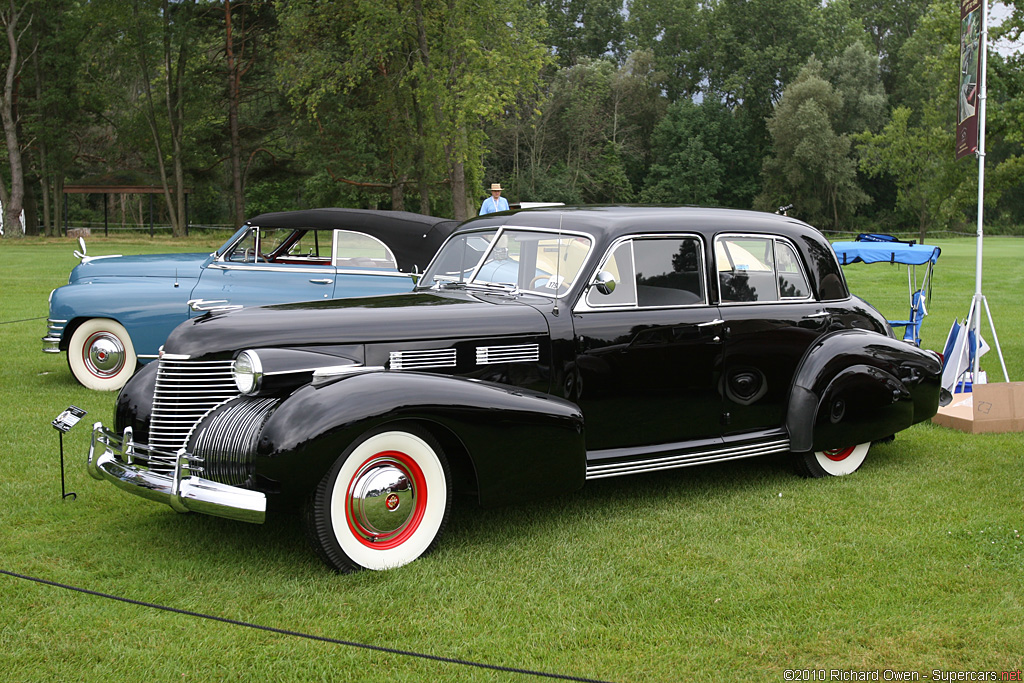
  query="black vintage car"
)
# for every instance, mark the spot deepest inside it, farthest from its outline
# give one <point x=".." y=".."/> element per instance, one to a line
<point x="540" y="349"/>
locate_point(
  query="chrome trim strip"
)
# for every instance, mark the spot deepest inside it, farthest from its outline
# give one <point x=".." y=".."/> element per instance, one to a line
<point x="414" y="360"/>
<point x="674" y="461"/>
<point x="181" y="493"/>
<point x="321" y="271"/>
<point x="508" y="353"/>
<point x="323" y="375"/>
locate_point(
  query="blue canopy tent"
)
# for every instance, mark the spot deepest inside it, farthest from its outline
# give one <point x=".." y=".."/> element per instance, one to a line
<point x="887" y="249"/>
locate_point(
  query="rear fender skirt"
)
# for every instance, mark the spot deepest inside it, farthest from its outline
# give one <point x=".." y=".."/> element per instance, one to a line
<point x="854" y="386"/>
<point x="521" y="444"/>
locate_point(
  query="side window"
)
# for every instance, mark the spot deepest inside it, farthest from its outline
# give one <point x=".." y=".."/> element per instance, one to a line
<point x="244" y="250"/>
<point x="312" y="246"/>
<point x="668" y="271"/>
<point x="746" y="269"/>
<point x="620" y="265"/>
<point x="356" y="250"/>
<point x="792" y="282"/>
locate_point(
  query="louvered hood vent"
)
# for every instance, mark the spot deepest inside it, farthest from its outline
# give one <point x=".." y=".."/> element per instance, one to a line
<point x="511" y="353"/>
<point x="417" y="360"/>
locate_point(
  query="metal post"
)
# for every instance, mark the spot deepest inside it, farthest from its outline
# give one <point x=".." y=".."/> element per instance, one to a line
<point x="105" y="202"/>
<point x="151" y="215"/>
<point x="974" y="317"/>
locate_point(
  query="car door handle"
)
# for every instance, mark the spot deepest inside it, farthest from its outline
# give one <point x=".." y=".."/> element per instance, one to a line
<point x="815" y="316"/>
<point x="323" y="281"/>
<point x="716" y="321"/>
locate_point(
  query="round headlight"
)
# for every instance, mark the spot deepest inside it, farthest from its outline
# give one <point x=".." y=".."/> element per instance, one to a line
<point x="247" y="372"/>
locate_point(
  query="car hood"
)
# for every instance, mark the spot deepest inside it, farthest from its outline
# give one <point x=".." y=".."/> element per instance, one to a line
<point x="415" y="316"/>
<point x="144" y="265"/>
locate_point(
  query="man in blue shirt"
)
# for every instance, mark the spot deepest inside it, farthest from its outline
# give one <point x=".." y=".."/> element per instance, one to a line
<point x="495" y="202"/>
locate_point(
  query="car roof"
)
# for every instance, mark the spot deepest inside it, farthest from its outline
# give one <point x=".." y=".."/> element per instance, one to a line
<point x="412" y="237"/>
<point x="607" y="223"/>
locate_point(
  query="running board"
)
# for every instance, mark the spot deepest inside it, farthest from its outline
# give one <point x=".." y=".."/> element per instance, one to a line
<point x="674" y="461"/>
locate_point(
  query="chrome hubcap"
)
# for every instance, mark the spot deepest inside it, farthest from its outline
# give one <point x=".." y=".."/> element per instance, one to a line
<point x="104" y="354"/>
<point x="381" y="500"/>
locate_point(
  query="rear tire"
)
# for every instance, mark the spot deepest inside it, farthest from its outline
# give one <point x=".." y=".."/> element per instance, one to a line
<point x="384" y="502"/>
<point x="837" y="462"/>
<point x="101" y="354"/>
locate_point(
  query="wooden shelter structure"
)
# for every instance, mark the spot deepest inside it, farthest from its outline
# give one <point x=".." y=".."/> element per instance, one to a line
<point x="105" y="190"/>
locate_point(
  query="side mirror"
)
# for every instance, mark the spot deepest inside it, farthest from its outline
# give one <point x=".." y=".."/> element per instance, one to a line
<point x="605" y="282"/>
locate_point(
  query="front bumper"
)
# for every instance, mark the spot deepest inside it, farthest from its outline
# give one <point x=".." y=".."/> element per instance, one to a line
<point x="112" y="456"/>
<point x="54" y="332"/>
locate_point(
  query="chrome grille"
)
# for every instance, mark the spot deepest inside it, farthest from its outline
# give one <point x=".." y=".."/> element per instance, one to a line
<point x="185" y="391"/>
<point x="414" y="360"/>
<point x="509" y="353"/>
<point x="224" y="448"/>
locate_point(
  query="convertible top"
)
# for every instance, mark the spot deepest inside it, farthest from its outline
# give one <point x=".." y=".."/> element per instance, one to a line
<point x="885" y="252"/>
<point x="412" y="237"/>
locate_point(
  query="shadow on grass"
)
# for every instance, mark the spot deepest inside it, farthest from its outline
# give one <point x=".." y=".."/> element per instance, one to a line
<point x="226" y="546"/>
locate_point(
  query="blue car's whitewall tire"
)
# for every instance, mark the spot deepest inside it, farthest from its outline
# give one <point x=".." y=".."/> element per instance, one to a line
<point x="837" y="462"/>
<point x="383" y="504"/>
<point x="101" y="355"/>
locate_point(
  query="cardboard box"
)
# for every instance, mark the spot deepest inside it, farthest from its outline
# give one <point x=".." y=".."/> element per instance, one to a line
<point x="989" y="408"/>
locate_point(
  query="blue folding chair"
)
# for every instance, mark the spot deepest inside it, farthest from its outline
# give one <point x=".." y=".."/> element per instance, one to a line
<point x="912" y="327"/>
<point x="872" y="248"/>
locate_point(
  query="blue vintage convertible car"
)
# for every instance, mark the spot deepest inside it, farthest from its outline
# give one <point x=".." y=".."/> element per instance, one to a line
<point x="116" y="311"/>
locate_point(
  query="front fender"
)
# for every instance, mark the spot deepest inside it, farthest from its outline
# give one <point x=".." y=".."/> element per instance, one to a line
<point x="521" y="444"/>
<point x="855" y="386"/>
<point x="148" y="324"/>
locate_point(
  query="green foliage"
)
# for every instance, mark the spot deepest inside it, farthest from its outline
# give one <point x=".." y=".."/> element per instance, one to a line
<point x="417" y="104"/>
<point x="811" y="167"/>
<point x="692" y="149"/>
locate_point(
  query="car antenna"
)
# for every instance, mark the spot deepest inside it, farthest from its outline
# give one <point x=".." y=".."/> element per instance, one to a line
<point x="558" y="263"/>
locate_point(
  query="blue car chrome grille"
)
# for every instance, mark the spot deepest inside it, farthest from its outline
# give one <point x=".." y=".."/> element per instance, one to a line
<point x="185" y="391"/>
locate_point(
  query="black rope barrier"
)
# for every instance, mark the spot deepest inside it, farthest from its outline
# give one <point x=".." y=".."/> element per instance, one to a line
<point x="23" y="320"/>
<point x="299" y="634"/>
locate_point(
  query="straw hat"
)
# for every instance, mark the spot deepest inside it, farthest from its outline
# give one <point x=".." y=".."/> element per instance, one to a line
<point x="495" y="187"/>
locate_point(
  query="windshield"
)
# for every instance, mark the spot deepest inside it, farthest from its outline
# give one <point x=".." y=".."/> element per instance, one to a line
<point x="514" y="260"/>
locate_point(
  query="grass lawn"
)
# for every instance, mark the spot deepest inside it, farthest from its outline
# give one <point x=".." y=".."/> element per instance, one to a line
<point x="736" y="571"/>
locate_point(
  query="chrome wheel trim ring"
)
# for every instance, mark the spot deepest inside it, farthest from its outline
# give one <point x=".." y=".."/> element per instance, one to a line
<point x="383" y="499"/>
<point x="103" y="354"/>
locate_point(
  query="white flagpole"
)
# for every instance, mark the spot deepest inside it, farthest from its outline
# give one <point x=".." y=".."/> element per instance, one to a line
<point x="974" y="316"/>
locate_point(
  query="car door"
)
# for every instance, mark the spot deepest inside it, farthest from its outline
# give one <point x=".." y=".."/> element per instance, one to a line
<point x="273" y="265"/>
<point x="647" y="353"/>
<point x="771" y="318"/>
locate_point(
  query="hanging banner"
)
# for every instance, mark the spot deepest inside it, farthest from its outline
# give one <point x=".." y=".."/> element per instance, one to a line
<point x="970" y="61"/>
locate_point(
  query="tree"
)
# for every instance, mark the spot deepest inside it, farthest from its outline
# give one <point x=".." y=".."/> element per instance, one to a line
<point x="689" y="149"/>
<point x="430" y="72"/>
<point x="674" y="35"/>
<point x="912" y="157"/>
<point x="580" y="29"/>
<point x="811" y="166"/>
<point x="15" y="23"/>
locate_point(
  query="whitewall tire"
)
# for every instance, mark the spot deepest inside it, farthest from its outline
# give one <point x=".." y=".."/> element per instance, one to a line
<point x="837" y="462"/>
<point x="383" y="504"/>
<point x="101" y="355"/>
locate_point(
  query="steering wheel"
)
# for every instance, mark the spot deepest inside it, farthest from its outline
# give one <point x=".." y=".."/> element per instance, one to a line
<point x="561" y="289"/>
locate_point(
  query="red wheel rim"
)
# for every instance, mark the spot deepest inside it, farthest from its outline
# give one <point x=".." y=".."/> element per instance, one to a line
<point x="370" y="537"/>
<point x="839" y="454"/>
